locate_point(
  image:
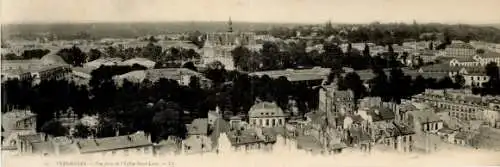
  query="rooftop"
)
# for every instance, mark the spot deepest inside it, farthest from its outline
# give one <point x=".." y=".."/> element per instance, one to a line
<point x="460" y="46"/>
<point x="266" y="109"/>
<point x="199" y="126"/>
<point x="113" y="143"/>
<point x="292" y="75"/>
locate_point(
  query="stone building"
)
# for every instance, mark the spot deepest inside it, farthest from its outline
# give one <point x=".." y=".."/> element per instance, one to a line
<point x="219" y="45"/>
<point x="266" y="114"/>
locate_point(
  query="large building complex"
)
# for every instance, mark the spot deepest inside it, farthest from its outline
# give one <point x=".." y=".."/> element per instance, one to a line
<point x="218" y="46"/>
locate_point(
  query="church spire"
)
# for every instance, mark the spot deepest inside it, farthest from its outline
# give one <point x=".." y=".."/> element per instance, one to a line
<point x="230" y="24"/>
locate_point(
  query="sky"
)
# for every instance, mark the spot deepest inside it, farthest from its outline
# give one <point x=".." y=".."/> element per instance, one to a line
<point x="284" y="11"/>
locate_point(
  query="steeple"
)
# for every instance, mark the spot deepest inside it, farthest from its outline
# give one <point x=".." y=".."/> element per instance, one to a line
<point x="230" y="24"/>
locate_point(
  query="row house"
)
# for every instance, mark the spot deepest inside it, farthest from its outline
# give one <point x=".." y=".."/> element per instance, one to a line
<point x="398" y="137"/>
<point x="459" y="104"/>
<point x="422" y="118"/>
<point x="480" y="59"/>
<point x="460" y="50"/>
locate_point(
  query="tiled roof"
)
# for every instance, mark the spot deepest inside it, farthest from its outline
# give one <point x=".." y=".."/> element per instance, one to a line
<point x="113" y="143"/>
<point x="384" y="114"/>
<point x="265" y="109"/>
<point x="199" y="126"/>
<point x="220" y="126"/>
<point x="425" y="115"/>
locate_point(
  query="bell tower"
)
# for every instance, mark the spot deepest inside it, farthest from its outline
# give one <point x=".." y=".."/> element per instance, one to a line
<point x="230" y="24"/>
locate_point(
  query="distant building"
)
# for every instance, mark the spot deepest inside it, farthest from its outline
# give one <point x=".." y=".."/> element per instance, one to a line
<point x="48" y="67"/>
<point x="266" y="114"/>
<point x="459" y="104"/>
<point x="138" y="143"/>
<point x="181" y="75"/>
<point x="463" y="50"/>
<point x="332" y="100"/>
<point x="423" y="118"/>
<point x="218" y="46"/>
<point x="313" y="76"/>
<point x="140" y="61"/>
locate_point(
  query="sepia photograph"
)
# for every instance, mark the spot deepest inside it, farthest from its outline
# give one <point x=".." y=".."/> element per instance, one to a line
<point x="181" y="83"/>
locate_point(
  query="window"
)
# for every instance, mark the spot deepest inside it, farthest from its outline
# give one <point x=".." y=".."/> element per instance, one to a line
<point x="280" y="122"/>
<point x="273" y="122"/>
<point x="260" y="122"/>
<point x="267" y="122"/>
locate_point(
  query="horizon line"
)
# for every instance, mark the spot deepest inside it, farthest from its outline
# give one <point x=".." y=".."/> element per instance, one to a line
<point x="241" y="21"/>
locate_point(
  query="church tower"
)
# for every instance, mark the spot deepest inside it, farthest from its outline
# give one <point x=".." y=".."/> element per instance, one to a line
<point x="230" y="24"/>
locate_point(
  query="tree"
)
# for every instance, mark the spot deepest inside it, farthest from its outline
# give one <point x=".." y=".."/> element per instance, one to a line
<point x="194" y="82"/>
<point x="459" y="81"/>
<point x="189" y="65"/>
<point x="419" y="85"/>
<point x="480" y="51"/>
<point x="445" y="82"/>
<point x="493" y="84"/>
<point x="152" y="39"/>
<point x="354" y="83"/>
<point x="73" y="56"/>
<point x="398" y="84"/>
<point x="94" y="54"/>
<point x="54" y="128"/>
<point x="378" y="84"/>
<point x="366" y="51"/>
<point x="168" y="120"/>
<point x="81" y="131"/>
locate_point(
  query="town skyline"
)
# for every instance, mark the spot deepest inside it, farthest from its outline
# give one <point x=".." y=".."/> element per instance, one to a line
<point x="298" y="11"/>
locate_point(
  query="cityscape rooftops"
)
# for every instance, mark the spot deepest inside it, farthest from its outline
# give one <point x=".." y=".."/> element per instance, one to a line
<point x="113" y="143"/>
<point x="292" y="75"/>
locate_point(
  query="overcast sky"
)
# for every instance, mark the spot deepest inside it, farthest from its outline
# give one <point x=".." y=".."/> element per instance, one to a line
<point x="296" y="11"/>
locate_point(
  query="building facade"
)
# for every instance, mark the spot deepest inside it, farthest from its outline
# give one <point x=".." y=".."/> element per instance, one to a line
<point x="266" y="114"/>
<point x="219" y="45"/>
